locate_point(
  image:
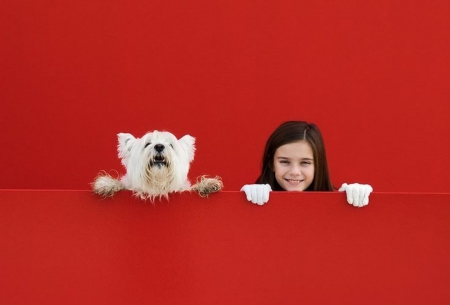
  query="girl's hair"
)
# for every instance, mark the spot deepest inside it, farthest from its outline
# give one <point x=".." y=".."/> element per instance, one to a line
<point x="294" y="131"/>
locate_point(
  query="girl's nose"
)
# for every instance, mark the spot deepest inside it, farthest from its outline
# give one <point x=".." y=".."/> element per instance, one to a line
<point x="295" y="170"/>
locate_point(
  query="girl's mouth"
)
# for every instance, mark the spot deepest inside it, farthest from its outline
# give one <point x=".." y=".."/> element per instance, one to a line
<point x="293" y="181"/>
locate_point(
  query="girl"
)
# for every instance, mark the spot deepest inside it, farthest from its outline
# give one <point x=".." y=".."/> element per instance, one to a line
<point x="294" y="160"/>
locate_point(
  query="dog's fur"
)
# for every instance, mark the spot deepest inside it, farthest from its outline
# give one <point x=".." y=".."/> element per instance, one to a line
<point x="156" y="164"/>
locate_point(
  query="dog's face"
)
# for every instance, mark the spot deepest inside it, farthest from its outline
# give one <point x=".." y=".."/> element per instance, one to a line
<point x="157" y="157"/>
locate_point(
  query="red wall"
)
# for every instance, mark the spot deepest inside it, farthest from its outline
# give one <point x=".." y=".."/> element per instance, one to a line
<point x="70" y="247"/>
<point x="373" y="75"/>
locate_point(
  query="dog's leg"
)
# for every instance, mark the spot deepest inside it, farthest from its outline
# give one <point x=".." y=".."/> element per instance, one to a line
<point x="106" y="186"/>
<point x="206" y="186"/>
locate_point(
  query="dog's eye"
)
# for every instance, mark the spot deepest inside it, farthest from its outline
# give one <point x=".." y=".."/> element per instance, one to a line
<point x="171" y="145"/>
<point x="147" y="144"/>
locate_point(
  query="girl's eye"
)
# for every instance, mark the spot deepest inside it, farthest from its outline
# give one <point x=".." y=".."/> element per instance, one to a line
<point x="306" y="163"/>
<point x="284" y="162"/>
<point x="147" y="144"/>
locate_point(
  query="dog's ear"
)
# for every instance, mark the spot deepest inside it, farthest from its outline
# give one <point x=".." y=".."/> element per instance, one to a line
<point x="188" y="144"/>
<point x="126" y="141"/>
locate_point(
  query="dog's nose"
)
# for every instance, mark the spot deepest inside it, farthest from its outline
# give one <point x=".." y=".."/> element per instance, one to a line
<point x="159" y="147"/>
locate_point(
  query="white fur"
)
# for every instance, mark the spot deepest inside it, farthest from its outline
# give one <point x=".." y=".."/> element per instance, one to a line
<point x="144" y="175"/>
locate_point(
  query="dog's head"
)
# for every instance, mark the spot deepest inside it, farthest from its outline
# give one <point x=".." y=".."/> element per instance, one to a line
<point x="156" y="158"/>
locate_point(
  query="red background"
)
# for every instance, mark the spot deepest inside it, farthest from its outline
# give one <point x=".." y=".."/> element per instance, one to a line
<point x="374" y="75"/>
<point x="70" y="247"/>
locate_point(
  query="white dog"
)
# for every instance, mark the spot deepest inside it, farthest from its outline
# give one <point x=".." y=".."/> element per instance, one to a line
<point x="156" y="164"/>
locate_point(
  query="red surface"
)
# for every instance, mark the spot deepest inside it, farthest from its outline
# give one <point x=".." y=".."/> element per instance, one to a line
<point x="70" y="247"/>
<point x="373" y="75"/>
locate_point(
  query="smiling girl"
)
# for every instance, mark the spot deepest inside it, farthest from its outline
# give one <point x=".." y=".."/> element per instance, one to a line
<point x="294" y="159"/>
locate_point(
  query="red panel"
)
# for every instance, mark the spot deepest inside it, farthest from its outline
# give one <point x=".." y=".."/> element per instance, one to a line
<point x="70" y="247"/>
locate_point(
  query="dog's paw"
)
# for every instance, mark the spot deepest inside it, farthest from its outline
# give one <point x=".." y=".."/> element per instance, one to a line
<point x="106" y="186"/>
<point x="206" y="186"/>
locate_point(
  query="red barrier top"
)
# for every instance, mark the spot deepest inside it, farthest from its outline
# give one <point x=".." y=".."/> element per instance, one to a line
<point x="70" y="247"/>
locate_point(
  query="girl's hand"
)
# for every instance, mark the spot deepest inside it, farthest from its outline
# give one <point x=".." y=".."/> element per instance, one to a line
<point x="357" y="194"/>
<point x="257" y="193"/>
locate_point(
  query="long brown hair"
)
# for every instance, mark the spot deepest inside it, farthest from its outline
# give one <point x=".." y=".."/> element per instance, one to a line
<point x="293" y="131"/>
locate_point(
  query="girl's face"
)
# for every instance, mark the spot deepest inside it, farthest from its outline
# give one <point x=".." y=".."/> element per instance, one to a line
<point x="293" y="165"/>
